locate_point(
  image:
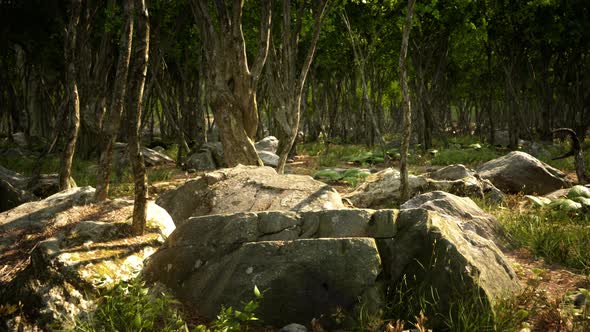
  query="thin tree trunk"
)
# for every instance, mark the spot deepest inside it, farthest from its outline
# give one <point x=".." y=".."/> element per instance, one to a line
<point x="136" y="84"/>
<point x="406" y="105"/>
<point x="65" y="171"/>
<point x="288" y="113"/>
<point x="111" y="127"/>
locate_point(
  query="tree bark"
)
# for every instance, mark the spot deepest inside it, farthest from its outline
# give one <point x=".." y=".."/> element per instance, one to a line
<point x="112" y="123"/>
<point x="406" y="105"/>
<point x="134" y="102"/>
<point x="65" y="170"/>
<point x="232" y="84"/>
<point x="287" y="81"/>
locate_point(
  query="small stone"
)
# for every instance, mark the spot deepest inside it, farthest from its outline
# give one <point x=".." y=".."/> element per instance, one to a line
<point x="293" y="327"/>
<point x="579" y="300"/>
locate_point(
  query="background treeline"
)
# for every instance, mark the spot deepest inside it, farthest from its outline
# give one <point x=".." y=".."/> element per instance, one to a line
<point x="474" y="67"/>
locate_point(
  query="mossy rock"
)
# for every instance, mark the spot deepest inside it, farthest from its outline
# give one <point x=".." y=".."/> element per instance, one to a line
<point x="565" y="205"/>
<point x="578" y="191"/>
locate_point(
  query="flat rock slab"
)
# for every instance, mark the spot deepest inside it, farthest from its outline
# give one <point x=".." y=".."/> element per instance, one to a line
<point x="520" y="172"/>
<point x="76" y="248"/>
<point x="245" y="189"/>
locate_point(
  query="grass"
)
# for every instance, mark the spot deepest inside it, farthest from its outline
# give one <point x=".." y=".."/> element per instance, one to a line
<point x="84" y="172"/>
<point x="557" y="236"/>
<point x="465" y="156"/>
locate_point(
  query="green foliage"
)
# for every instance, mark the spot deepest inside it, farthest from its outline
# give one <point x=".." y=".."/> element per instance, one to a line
<point x="230" y="319"/>
<point x="558" y="236"/>
<point x="466" y="156"/>
<point x="130" y="306"/>
<point x="351" y="176"/>
<point x="85" y="173"/>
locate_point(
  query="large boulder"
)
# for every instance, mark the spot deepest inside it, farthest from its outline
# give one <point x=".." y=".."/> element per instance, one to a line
<point x="76" y="249"/>
<point x="521" y="172"/>
<point x="247" y="188"/>
<point x="307" y="264"/>
<point x="383" y="189"/>
<point x="463" y="209"/>
<point x="451" y="172"/>
<point x="432" y="256"/>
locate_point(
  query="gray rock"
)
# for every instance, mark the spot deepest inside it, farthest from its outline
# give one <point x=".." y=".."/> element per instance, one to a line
<point x="13" y="197"/>
<point x="216" y="150"/>
<point x="81" y="257"/>
<point x="40" y="212"/>
<point x="159" y="149"/>
<point x="45" y="185"/>
<point x="383" y="189"/>
<point x="431" y="253"/>
<point x="451" y="172"/>
<point x="293" y="327"/>
<point x="463" y="209"/>
<point x="300" y="279"/>
<point x="151" y="157"/>
<point x="216" y="260"/>
<point x="201" y="161"/>
<point x="521" y="172"/>
<point x="268" y="158"/>
<point x="268" y="144"/>
<point x="20" y="139"/>
<point x="579" y="300"/>
<point x="501" y="137"/>
<point x="247" y="188"/>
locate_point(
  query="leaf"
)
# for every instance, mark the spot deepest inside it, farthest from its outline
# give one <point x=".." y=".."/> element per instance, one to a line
<point x="257" y="292"/>
<point x="539" y="201"/>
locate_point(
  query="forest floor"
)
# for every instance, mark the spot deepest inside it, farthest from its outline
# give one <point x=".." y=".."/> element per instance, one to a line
<point x="548" y="282"/>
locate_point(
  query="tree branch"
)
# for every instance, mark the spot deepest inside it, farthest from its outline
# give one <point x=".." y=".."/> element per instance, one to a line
<point x="265" y="24"/>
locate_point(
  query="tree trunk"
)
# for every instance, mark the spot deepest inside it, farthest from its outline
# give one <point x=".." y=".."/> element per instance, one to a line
<point x="287" y="81"/>
<point x="406" y="105"/>
<point x="232" y="84"/>
<point x="112" y="123"/>
<point x="65" y="170"/>
<point x="136" y="86"/>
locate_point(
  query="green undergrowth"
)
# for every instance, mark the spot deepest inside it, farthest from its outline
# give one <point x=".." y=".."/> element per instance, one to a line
<point x="351" y="176"/>
<point x="470" y="156"/>
<point x="130" y="306"/>
<point x="84" y="172"/>
<point x="555" y="235"/>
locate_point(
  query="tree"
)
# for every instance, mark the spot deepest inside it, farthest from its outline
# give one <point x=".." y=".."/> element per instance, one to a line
<point x="286" y="79"/>
<point x="231" y="82"/>
<point x="73" y="98"/>
<point x="113" y="116"/>
<point x="406" y="104"/>
<point x="137" y="79"/>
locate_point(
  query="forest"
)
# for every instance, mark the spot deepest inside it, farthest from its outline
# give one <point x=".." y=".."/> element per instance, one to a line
<point x="294" y="165"/>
